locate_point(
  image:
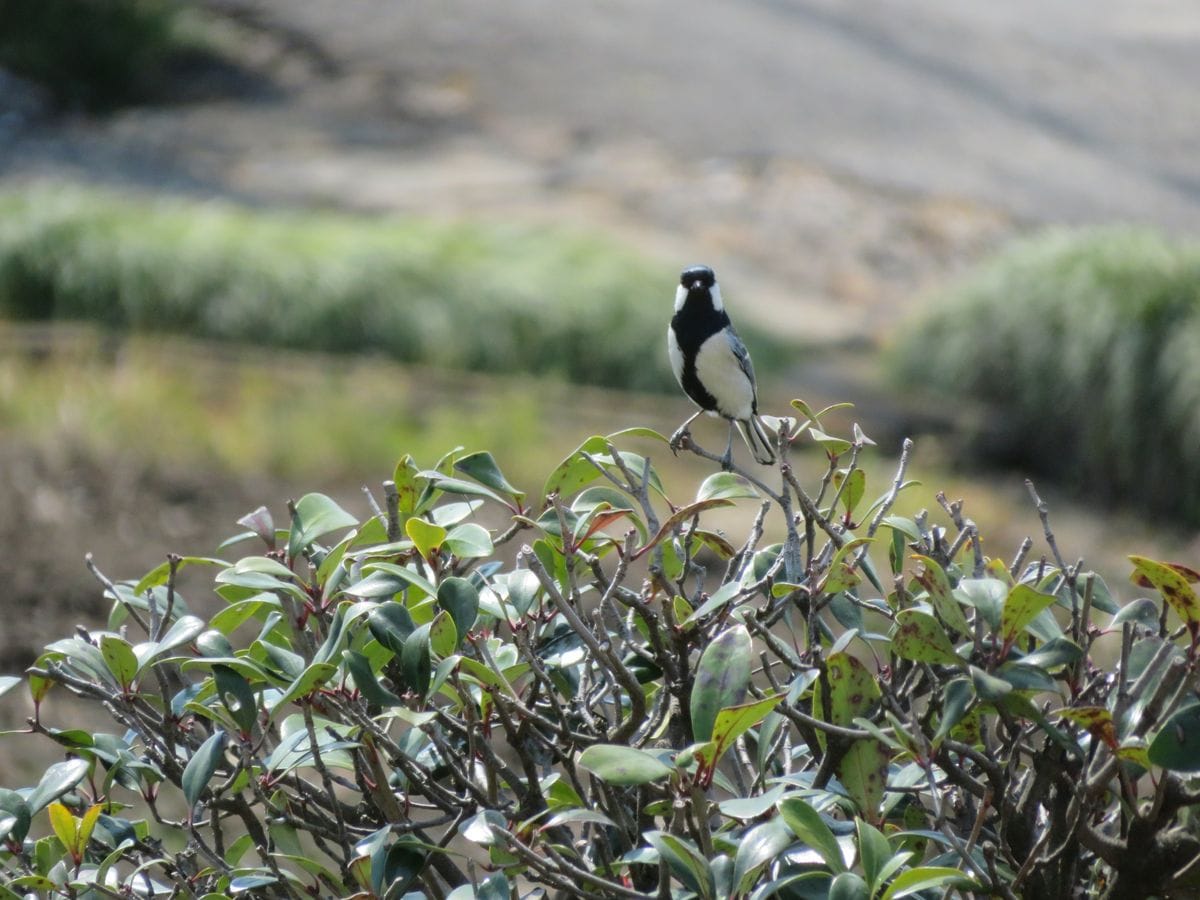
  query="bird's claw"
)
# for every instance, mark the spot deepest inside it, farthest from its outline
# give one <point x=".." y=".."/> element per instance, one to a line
<point x="727" y="461"/>
<point x="680" y="440"/>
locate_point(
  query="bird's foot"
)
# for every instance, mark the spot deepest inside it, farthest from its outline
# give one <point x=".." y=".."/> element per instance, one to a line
<point x="680" y="440"/>
<point x="727" y="460"/>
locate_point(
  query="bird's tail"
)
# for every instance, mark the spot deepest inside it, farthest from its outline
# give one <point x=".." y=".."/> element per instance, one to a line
<point x="755" y="435"/>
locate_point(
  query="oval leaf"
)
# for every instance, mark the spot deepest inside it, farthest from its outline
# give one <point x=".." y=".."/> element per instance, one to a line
<point x="920" y="637"/>
<point x="201" y="768"/>
<point x="722" y="677"/>
<point x="616" y="764"/>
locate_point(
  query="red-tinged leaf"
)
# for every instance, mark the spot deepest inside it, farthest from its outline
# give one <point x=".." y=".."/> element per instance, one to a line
<point x="734" y="721"/>
<point x="678" y="517"/>
<point x="1096" y="719"/>
<point x="601" y="517"/>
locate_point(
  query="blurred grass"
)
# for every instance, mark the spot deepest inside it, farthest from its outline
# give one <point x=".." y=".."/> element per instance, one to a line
<point x="1082" y="346"/>
<point x="291" y="415"/>
<point x="452" y="294"/>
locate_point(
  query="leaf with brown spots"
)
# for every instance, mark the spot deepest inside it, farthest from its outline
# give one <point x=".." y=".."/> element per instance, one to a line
<point x="1170" y="581"/>
<point x="863" y="773"/>
<point x="922" y="638"/>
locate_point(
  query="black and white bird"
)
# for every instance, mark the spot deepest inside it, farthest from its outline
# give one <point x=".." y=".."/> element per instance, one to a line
<point x="712" y="364"/>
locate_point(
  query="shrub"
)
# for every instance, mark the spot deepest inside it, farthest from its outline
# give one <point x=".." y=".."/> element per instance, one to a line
<point x="95" y="53"/>
<point x="457" y="295"/>
<point x="1082" y="346"/>
<point x="628" y="705"/>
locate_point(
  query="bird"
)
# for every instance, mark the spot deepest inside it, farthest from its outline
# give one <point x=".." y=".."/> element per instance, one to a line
<point x="713" y="366"/>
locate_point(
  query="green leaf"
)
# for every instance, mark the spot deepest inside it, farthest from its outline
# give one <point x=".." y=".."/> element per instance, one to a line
<point x="725" y="486"/>
<point x="722" y="677"/>
<point x="407" y="479"/>
<point x="848" y="886"/>
<point x="239" y="884"/>
<point x="853" y="690"/>
<point x="1142" y="611"/>
<point x="365" y="680"/>
<point x="8" y="682"/>
<point x="1177" y="744"/>
<point x="834" y="446"/>
<point x="482" y="467"/>
<point x="415" y="662"/>
<point x="201" y="768"/>
<point x="723" y="595"/>
<point x="120" y="658"/>
<point x="15" y="816"/>
<point x="933" y="578"/>
<point x="920" y="637"/>
<point x="316" y="516"/>
<point x="65" y="828"/>
<point x="403" y="574"/>
<point x="469" y="541"/>
<point x="806" y="823"/>
<point x="874" y="852"/>
<point x="1020" y="608"/>
<point x="577" y="817"/>
<point x="310" y="680"/>
<point x="460" y="487"/>
<point x="956" y="700"/>
<point x="758" y="847"/>
<point x="575" y="472"/>
<point x="856" y="486"/>
<point x="923" y="878"/>
<point x="237" y="697"/>
<point x="733" y="721"/>
<point x="747" y="808"/>
<point x="984" y="594"/>
<point x="686" y="861"/>
<point x="426" y="536"/>
<point x="1052" y="654"/>
<point x="623" y="766"/>
<point x="87" y="824"/>
<point x="863" y="772"/>
<point x="460" y="598"/>
<point x="1172" y="583"/>
<point x="56" y="781"/>
<point x="161" y="573"/>
<point x="443" y="636"/>
<point x="988" y="687"/>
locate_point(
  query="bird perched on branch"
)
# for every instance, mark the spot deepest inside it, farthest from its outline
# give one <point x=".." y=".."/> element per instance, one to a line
<point x="712" y="364"/>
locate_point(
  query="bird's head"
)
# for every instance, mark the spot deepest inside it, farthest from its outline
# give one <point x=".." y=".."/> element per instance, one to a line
<point x="699" y="283"/>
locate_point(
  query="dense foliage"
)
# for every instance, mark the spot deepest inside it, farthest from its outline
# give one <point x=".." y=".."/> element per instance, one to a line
<point x="457" y="295"/>
<point x="1081" y="344"/>
<point x="469" y="694"/>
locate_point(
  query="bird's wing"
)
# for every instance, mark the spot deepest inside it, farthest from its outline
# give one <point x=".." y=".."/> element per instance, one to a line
<point x="743" y="357"/>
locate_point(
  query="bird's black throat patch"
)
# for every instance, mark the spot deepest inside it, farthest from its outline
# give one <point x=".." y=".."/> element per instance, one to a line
<point x="694" y="324"/>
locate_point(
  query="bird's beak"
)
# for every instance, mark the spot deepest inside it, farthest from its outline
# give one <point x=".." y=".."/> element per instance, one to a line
<point x="696" y="284"/>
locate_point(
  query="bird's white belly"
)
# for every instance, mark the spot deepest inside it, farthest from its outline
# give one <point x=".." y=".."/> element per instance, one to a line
<point x="721" y="374"/>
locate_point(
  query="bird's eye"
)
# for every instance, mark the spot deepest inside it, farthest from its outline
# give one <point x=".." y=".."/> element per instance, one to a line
<point x="702" y="274"/>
